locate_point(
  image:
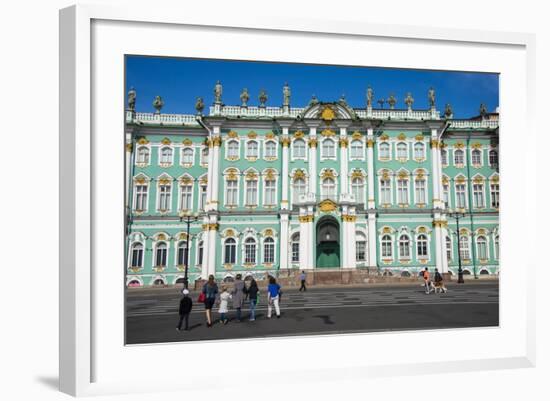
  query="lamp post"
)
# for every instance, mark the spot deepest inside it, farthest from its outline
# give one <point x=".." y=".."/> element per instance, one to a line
<point x="457" y="216"/>
<point x="188" y="217"/>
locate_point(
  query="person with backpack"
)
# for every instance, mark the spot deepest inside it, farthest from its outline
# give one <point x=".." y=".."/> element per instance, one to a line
<point x="186" y="304"/>
<point x="238" y="295"/>
<point x="209" y="294"/>
<point x="303" y="281"/>
<point x="253" y="294"/>
<point x="273" y="291"/>
<point x="426" y="277"/>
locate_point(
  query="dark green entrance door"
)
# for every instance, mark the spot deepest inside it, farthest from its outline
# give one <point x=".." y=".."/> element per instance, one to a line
<point x="328" y="254"/>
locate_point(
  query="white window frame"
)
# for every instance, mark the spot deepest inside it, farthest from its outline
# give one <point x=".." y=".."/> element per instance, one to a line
<point x="264" y="192"/>
<point x="155" y="255"/>
<point x="169" y="163"/>
<point x="423" y="156"/>
<point x="131" y="258"/>
<point x="184" y="247"/>
<point x="449" y="248"/>
<point x="492" y="192"/>
<point x="425" y="190"/>
<point x="460" y="165"/>
<point x="379" y="145"/>
<point x="295" y="196"/>
<point x="203" y="158"/>
<point x="496" y="246"/>
<point x="361" y="157"/>
<point x="360" y="237"/>
<point x="135" y="196"/>
<point x="224" y="251"/>
<point x="407" y="152"/>
<point x="225" y="192"/>
<point x="382" y="256"/>
<point x="199" y="259"/>
<point x="483" y="202"/>
<point x="418" y="257"/>
<point x="159" y="194"/>
<point x="247" y="149"/>
<point x="293" y="152"/>
<point x="362" y="185"/>
<point x="227" y="148"/>
<point x="180" y="194"/>
<point x="491" y="165"/>
<point x="203" y="195"/>
<point x="335" y="186"/>
<point x="465" y="249"/>
<point x="465" y="194"/>
<point x="274" y="143"/>
<point x="244" y="245"/>
<point x="263" y="244"/>
<point x="182" y="156"/>
<point x="334" y="147"/>
<point x="446" y="160"/>
<point x="487" y="252"/>
<point x="246" y="188"/>
<point x="292" y="242"/>
<point x="397" y="189"/>
<point x="390" y="190"/>
<point x="409" y="242"/>
<point x="480" y="164"/>
<point x="148" y="159"/>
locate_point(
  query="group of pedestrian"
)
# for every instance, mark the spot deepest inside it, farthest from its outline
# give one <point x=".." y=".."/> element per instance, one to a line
<point x="211" y="296"/>
<point x="438" y="279"/>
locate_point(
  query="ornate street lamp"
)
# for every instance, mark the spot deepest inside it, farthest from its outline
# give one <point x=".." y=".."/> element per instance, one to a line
<point x="188" y="217"/>
<point x="457" y="216"/>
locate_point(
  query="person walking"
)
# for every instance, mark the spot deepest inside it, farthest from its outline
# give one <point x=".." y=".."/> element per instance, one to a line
<point x="303" y="281"/>
<point x="238" y="295"/>
<point x="225" y="296"/>
<point x="186" y="304"/>
<point x="210" y="291"/>
<point x="253" y="293"/>
<point x="273" y="290"/>
<point x="426" y="277"/>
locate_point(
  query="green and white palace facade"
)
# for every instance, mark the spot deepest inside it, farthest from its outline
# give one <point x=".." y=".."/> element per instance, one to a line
<point x="326" y="186"/>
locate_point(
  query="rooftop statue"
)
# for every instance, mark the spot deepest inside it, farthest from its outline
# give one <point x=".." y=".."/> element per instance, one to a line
<point x="244" y="97"/>
<point x="409" y="100"/>
<point x="342" y="100"/>
<point x="370" y="95"/>
<point x="313" y="100"/>
<point x="448" y="111"/>
<point x="286" y="95"/>
<point x="392" y="100"/>
<point x="158" y="103"/>
<point x="199" y="105"/>
<point x="132" y="99"/>
<point x="381" y="102"/>
<point x="431" y="97"/>
<point x="218" y="89"/>
<point x="482" y="110"/>
<point x="262" y="98"/>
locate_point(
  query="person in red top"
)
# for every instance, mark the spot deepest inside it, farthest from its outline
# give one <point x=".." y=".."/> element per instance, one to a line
<point x="426" y="276"/>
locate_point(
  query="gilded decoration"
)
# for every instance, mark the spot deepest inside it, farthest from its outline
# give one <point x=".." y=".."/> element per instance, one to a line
<point x="328" y="113"/>
<point x="187" y="142"/>
<point x="356" y="135"/>
<point x="232" y="134"/>
<point x="305" y="219"/>
<point x="327" y="206"/>
<point x="385" y="175"/>
<point x="495" y="179"/>
<point x="386" y="230"/>
<point x="419" y="137"/>
<point x="270" y="135"/>
<point x="402" y="136"/>
<point x="204" y="180"/>
<point x="445" y="180"/>
<point x="403" y="175"/>
<point x="182" y="236"/>
<point x="204" y="227"/>
<point x="434" y="143"/>
<point x="251" y="175"/>
<point x="231" y="174"/>
<point x="349" y="218"/>
<point x="166" y="141"/>
<point x="478" y="180"/>
<point x="422" y="230"/>
<point x="343" y="142"/>
<point x="213" y="227"/>
<point x="161" y="237"/>
<point x="143" y="141"/>
<point x="299" y="174"/>
<point x="327" y="174"/>
<point x="460" y="180"/>
<point x="420" y="174"/>
<point x="227" y="266"/>
<point x="476" y="145"/>
<point x="285" y="141"/>
<point x="357" y="174"/>
<point x="268" y="232"/>
<point x="186" y="180"/>
<point x="370" y="143"/>
<point x="299" y="134"/>
<point x="129" y="147"/>
<point x="208" y="142"/>
<point x="384" y="137"/>
<point x="252" y="135"/>
<point x="327" y="132"/>
<point x="312" y="142"/>
<point x="140" y="180"/>
<point x="482" y="231"/>
<point x="458" y="145"/>
<point x="165" y="181"/>
<point x="270" y="174"/>
<point x="229" y="233"/>
<point x="216" y="140"/>
<point x="464" y="231"/>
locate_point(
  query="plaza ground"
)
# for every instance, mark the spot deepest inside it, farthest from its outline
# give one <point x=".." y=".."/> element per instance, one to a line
<point x="152" y="314"/>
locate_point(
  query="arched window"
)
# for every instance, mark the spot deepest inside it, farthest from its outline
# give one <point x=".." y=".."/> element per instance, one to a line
<point x="444" y="158"/>
<point x="204" y="156"/>
<point x="419" y="150"/>
<point x="134" y="283"/>
<point x="160" y="255"/>
<point x="269" y="250"/>
<point x="295" y="248"/>
<point x="384" y="150"/>
<point x="448" y="246"/>
<point x="459" y="156"/>
<point x="143" y="155"/>
<point x="231" y="193"/>
<point x="252" y="149"/>
<point x="482" y="248"/>
<point x="403" y="191"/>
<point x="182" y="253"/>
<point x="230" y="251"/>
<point x="420" y="190"/>
<point x="299" y="148"/>
<point x="356" y="149"/>
<point x="358" y="189"/>
<point x="186" y="199"/>
<point x="464" y="247"/>
<point x="386" y="247"/>
<point x="158" y="281"/>
<point x="385" y="191"/>
<point x="476" y="157"/>
<point x="497" y="247"/>
<point x="328" y="189"/>
<point x="250" y="251"/>
<point x="401" y="150"/>
<point x="270" y="149"/>
<point x="493" y="158"/>
<point x="187" y="156"/>
<point x="328" y="149"/>
<point x="404" y="247"/>
<point x="360" y="247"/>
<point x="233" y="149"/>
<point x="137" y="255"/>
<point x="299" y="189"/>
<point x="166" y="155"/>
<point x="200" y="254"/>
<point x="422" y="246"/>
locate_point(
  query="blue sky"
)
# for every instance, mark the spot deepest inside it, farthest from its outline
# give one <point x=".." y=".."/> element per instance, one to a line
<point x="180" y="81"/>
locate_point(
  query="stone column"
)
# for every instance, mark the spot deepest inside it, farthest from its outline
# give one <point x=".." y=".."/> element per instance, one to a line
<point x="283" y="237"/>
<point x="129" y="148"/>
<point x="307" y="240"/>
<point x="436" y="174"/>
<point x="438" y="243"/>
<point x="312" y="160"/>
<point x="206" y="248"/>
<point x="348" y="236"/>
<point x="370" y="169"/>
<point x="212" y="244"/>
<point x="285" y="142"/>
<point x="344" y="185"/>
<point x="215" y="179"/>
<point x="372" y="240"/>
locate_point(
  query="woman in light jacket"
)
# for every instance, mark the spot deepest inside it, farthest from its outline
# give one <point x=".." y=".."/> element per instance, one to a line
<point x="238" y="295"/>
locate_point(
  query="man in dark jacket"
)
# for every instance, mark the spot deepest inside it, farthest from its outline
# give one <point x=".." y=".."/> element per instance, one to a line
<point x="186" y="304"/>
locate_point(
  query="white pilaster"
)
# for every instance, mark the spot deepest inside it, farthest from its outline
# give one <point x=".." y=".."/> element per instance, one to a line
<point x="216" y="142"/>
<point x="438" y="247"/>
<point x="206" y="249"/>
<point x="307" y="242"/>
<point x="436" y="174"/>
<point x="285" y="142"/>
<point x="283" y="236"/>
<point x="129" y="150"/>
<point x="312" y="160"/>
<point x="370" y="169"/>
<point x="344" y="189"/>
<point x="372" y="251"/>
<point x="348" y="237"/>
<point x="212" y="232"/>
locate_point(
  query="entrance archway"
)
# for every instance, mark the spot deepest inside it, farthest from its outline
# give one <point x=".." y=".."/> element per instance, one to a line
<point x="328" y="243"/>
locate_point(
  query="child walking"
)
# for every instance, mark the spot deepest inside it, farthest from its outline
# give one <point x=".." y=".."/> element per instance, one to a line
<point x="225" y="296"/>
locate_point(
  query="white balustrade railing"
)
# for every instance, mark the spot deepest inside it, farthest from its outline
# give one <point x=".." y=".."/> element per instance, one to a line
<point x="156" y="118"/>
<point x="254" y="111"/>
<point x="474" y="124"/>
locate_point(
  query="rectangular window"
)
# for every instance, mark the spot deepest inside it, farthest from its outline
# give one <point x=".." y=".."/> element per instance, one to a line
<point x="385" y="191"/>
<point x="269" y="252"/>
<point x="141" y="197"/>
<point x="460" y="196"/>
<point x="420" y="191"/>
<point x="250" y="252"/>
<point x="270" y="192"/>
<point x="446" y="195"/>
<point x="164" y="197"/>
<point x="478" y="196"/>
<point x="251" y="192"/>
<point x="295" y="252"/>
<point x="202" y="204"/>
<point x="231" y="196"/>
<point x="495" y="195"/>
<point x="299" y="148"/>
<point x="402" y="191"/>
<point x="186" y="199"/>
<point x="360" y="251"/>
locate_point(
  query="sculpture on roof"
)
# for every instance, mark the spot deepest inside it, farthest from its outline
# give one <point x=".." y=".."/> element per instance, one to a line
<point x="370" y="95"/>
<point x="431" y="97"/>
<point x="448" y="111"/>
<point x="158" y="103"/>
<point x="409" y="100"/>
<point x="132" y="99"/>
<point x="342" y="100"/>
<point x="483" y="110"/>
<point x="199" y="105"/>
<point x="313" y="100"/>
<point x="392" y="100"/>
<point x="244" y="97"/>
<point x="262" y="98"/>
<point x="218" y="90"/>
<point x="286" y="95"/>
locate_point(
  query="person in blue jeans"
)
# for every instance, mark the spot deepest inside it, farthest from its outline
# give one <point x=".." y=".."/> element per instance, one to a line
<point x="273" y="291"/>
<point x="253" y="294"/>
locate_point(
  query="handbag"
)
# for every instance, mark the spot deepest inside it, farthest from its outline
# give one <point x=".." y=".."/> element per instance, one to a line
<point x="202" y="297"/>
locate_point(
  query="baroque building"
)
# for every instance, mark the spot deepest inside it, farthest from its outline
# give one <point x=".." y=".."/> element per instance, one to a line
<point x="326" y="186"/>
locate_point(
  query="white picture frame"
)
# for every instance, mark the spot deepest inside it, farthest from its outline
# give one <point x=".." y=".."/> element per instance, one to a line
<point x="93" y="361"/>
